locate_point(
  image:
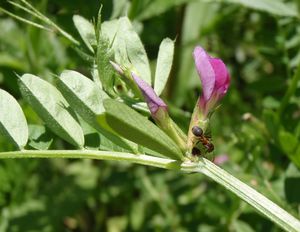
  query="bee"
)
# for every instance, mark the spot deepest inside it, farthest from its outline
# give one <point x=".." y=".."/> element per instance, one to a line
<point x="204" y="139"/>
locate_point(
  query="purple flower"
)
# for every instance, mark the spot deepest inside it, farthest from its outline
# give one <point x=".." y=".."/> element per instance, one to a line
<point x="214" y="77"/>
<point x="159" y="112"/>
<point x="154" y="102"/>
<point x="157" y="107"/>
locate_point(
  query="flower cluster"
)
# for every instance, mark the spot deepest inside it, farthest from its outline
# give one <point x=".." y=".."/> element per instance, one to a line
<point x="215" y="81"/>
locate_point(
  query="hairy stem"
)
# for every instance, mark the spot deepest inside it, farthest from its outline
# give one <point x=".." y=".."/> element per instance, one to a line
<point x="204" y="166"/>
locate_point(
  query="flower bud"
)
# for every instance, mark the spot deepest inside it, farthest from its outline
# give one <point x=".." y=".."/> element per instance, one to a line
<point x="159" y="112"/>
<point x="155" y="104"/>
<point x="214" y="78"/>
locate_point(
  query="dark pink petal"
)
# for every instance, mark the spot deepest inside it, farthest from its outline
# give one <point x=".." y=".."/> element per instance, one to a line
<point x="214" y="77"/>
<point x="222" y="76"/>
<point x="153" y="101"/>
<point x="205" y="71"/>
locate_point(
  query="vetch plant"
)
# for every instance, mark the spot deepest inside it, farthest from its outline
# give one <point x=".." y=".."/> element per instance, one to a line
<point x="215" y="81"/>
<point x="113" y="105"/>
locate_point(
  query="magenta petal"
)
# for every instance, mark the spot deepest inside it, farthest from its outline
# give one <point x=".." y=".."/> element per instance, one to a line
<point x="222" y="76"/>
<point x="153" y="101"/>
<point x="214" y="77"/>
<point x="205" y="71"/>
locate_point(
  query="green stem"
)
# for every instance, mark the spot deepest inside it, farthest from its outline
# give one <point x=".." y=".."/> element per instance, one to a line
<point x="25" y="20"/>
<point x="290" y="91"/>
<point x="204" y="166"/>
<point x="33" y="11"/>
<point x="251" y="196"/>
<point x="91" y="154"/>
<point x="174" y="132"/>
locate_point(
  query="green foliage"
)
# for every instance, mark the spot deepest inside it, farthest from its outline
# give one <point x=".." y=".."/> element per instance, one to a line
<point x="138" y="129"/>
<point x="257" y="125"/>
<point x="147" y="9"/>
<point x="105" y="76"/>
<point x="12" y="120"/>
<point x="127" y="46"/>
<point x="164" y="65"/>
<point x="39" y="137"/>
<point x="83" y="95"/>
<point x="86" y="98"/>
<point x="277" y="7"/>
<point x="86" y="31"/>
<point x="51" y="106"/>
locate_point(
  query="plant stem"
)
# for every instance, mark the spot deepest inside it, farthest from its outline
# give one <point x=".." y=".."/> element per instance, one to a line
<point x="251" y="196"/>
<point x="290" y="91"/>
<point x="34" y="12"/>
<point x="243" y="191"/>
<point x="25" y="20"/>
<point x="92" y="154"/>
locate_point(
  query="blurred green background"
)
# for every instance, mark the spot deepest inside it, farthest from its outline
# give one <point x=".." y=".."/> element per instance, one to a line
<point x="257" y="126"/>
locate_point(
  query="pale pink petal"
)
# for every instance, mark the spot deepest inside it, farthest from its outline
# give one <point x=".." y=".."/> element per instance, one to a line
<point x="205" y="71"/>
<point x="117" y="67"/>
<point x="221" y="159"/>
